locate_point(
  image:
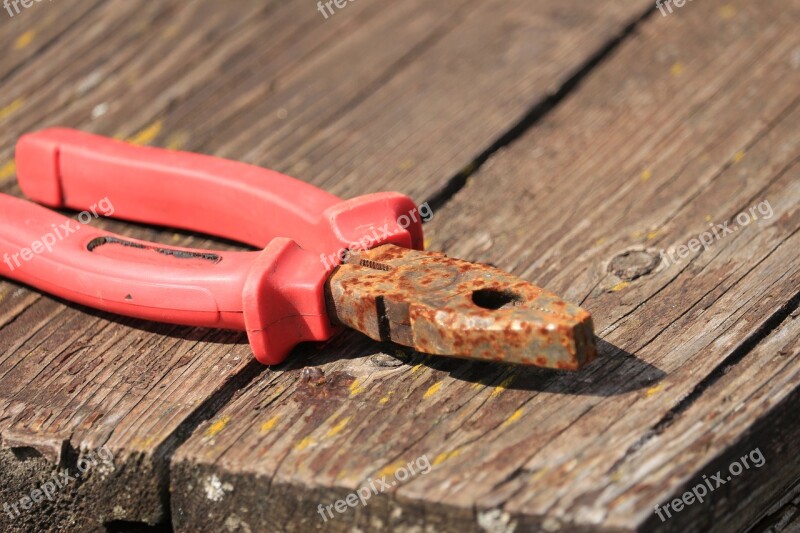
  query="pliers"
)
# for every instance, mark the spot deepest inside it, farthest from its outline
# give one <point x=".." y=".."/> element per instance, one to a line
<point x="324" y="263"/>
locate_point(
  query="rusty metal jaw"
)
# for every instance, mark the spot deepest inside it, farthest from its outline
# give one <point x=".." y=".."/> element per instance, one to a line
<point x="445" y="306"/>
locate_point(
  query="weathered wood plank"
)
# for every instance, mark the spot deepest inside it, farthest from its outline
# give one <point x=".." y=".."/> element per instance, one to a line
<point x="320" y="112"/>
<point x="28" y="32"/>
<point x="216" y="76"/>
<point x="644" y="154"/>
<point x="432" y="112"/>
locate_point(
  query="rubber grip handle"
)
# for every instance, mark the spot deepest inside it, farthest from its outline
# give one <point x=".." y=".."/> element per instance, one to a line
<point x="61" y="167"/>
<point x="276" y="295"/>
<point x="85" y="265"/>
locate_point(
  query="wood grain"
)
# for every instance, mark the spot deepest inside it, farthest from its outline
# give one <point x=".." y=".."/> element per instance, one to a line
<point x="691" y="121"/>
<point x="335" y="102"/>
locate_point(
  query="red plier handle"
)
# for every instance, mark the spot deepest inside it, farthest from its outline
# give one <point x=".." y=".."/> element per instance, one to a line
<point x="276" y="295"/>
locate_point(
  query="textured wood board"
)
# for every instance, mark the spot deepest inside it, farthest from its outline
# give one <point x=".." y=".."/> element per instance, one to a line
<point x="221" y="78"/>
<point x="691" y="121"/>
<point x="401" y="97"/>
<point x="32" y="31"/>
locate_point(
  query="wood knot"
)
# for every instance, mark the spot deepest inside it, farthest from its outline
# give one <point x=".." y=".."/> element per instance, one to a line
<point x="384" y="360"/>
<point x="632" y="264"/>
<point x="312" y="375"/>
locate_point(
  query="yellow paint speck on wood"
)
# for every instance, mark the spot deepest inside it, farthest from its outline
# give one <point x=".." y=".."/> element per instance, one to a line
<point x="147" y="135"/>
<point x="7" y="170"/>
<point x="653" y="390"/>
<point x="444" y="456"/>
<point x="356" y="388"/>
<point x="652" y="235"/>
<point x="269" y="424"/>
<point x="516" y="415"/>
<point x="338" y="427"/>
<point x="502" y="386"/>
<point x="433" y="389"/>
<point x="646" y="175"/>
<point x="738" y="156"/>
<point x="727" y="11"/>
<point x="305" y="443"/>
<point x="12" y="108"/>
<point x="24" y="40"/>
<point x="677" y="69"/>
<point x="385" y="399"/>
<point x="619" y="286"/>
<point x="217" y="426"/>
<point x="390" y="469"/>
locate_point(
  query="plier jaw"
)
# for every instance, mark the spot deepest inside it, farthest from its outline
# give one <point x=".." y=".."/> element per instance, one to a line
<point x="445" y="306"/>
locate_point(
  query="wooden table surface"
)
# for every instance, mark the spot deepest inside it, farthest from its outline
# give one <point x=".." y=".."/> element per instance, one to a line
<point x="584" y="146"/>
